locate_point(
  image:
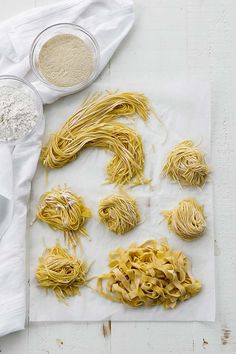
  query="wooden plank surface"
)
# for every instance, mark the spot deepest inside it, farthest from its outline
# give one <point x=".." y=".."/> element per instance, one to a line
<point x="192" y="38"/>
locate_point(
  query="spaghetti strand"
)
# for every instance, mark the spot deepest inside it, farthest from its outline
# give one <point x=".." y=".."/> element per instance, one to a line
<point x="94" y="125"/>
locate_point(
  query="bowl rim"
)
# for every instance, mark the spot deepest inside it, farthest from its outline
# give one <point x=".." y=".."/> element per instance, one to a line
<point x="38" y="99"/>
<point x="67" y="89"/>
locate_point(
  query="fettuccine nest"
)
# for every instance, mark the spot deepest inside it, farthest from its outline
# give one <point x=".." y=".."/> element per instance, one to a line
<point x="61" y="272"/>
<point x="148" y="274"/>
<point x="119" y="212"/>
<point x="187" y="220"/>
<point x="186" y="165"/>
<point x="63" y="210"/>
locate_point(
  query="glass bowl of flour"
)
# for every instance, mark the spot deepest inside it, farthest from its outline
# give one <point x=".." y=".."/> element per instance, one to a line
<point x="65" y="57"/>
<point x="21" y="109"/>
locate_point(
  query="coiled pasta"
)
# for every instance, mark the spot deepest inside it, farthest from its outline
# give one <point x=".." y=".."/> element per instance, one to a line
<point x="61" y="272"/>
<point x="148" y="274"/>
<point x="94" y="126"/>
<point x="187" y="220"/>
<point x="186" y="164"/>
<point x="63" y="210"/>
<point x="119" y="212"/>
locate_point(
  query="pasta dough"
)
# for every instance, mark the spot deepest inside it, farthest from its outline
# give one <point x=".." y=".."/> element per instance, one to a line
<point x="61" y="272"/>
<point x="63" y="210"/>
<point x="187" y="220"/>
<point x="119" y="212"/>
<point x="94" y="125"/>
<point x="186" y="164"/>
<point x="148" y="274"/>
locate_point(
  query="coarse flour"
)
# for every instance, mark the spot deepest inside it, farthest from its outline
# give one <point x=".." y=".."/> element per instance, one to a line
<point x="18" y="113"/>
<point x="65" y="60"/>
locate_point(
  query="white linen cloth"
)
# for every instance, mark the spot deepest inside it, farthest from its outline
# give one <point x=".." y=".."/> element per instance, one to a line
<point x="109" y="21"/>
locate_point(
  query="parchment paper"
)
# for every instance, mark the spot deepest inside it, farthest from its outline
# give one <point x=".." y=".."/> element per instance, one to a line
<point x="184" y="109"/>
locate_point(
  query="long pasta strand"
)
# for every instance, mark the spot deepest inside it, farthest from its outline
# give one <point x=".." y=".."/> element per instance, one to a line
<point x="94" y="125"/>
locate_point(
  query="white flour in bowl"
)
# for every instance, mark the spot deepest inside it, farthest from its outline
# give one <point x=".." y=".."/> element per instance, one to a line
<point x="18" y="113"/>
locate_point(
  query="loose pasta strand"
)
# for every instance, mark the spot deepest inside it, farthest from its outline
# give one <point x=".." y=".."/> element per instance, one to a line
<point x="94" y="125"/>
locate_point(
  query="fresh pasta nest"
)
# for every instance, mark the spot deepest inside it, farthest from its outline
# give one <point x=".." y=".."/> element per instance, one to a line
<point x="63" y="210"/>
<point x="119" y="212"/>
<point x="61" y="272"/>
<point x="94" y="125"/>
<point x="187" y="220"/>
<point x="186" y="164"/>
<point x="148" y="274"/>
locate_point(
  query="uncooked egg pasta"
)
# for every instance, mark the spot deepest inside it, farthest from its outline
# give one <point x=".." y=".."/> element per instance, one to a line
<point x="61" y="272"/>
<point x="186" y="165"/>
<point x="119" y="212"/>
<point x="63" y="210"/>
<point x="147" y="275"/>
<point x="94" y="125"/>
<point x="187" y="220"/>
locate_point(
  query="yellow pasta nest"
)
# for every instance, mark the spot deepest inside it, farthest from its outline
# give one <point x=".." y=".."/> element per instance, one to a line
<point x="94" y="126"/>
<point x="186" y="164"/>
<point x="187" y="220"/>
<point x="119" y="213"/>
<point x="149" y="274"/>
<point x="63" y="210"/>
<point x="61" y="272"/>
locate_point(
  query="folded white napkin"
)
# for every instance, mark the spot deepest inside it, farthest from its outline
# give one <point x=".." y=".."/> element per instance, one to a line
<point x="109" y="21"/>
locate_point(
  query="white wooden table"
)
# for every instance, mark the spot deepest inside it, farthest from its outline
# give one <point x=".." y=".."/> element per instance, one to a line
<point x="194" y="38"/>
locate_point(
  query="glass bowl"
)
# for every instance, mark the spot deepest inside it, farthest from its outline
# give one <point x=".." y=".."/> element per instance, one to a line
<point x="65" y="28"/>
<point x="28" y="89"/>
